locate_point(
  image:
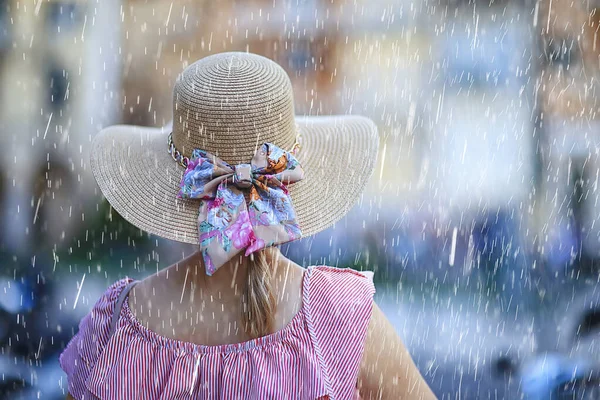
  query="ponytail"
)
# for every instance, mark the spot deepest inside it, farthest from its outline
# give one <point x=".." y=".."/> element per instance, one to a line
<point x="258" y="300"/>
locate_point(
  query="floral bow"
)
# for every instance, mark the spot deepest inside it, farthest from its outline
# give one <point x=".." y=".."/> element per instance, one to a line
<point x="246" y="206"/>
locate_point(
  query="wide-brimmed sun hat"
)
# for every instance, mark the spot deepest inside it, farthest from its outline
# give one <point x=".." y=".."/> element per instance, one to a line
<point x="227" y="105"/>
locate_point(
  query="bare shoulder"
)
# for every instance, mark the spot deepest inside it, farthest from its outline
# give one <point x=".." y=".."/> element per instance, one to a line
<point x="387" y="370"/>
<point x="69" y="397"/>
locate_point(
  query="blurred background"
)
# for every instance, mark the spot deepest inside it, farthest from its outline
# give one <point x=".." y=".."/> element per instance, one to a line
<point x="481" y="221"/>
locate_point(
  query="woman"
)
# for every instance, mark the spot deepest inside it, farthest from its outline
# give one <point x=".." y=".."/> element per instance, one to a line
<point x="238" y="174"/>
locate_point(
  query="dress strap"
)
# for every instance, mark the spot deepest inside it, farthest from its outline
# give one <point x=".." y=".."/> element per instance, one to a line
<point x="119" y="305"/>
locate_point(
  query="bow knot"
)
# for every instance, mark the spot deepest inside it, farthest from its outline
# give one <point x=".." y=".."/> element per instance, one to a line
<point x="242" y="177"/>
<point x="227" y="221"/>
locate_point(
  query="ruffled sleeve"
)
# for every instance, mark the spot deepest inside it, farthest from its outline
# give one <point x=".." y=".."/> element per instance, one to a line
<point x="83" y="350"/>
<point x="339" y="305"/>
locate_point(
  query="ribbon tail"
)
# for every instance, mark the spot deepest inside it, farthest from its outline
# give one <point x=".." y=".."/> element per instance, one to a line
<point x="214" y="217"/>
<point x="255" y="241"/>
<point x="207" y="234"/>
<point x="209" y="266"/>
<point x="224" y="226"/>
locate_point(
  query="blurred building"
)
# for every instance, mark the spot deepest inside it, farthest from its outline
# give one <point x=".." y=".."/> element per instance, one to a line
<point x="569" y="101"/>
<point x="59" y="80"/>
<point x="161" y="38"/>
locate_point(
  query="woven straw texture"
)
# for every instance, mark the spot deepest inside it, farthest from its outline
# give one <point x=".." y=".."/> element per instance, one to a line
<point x="228" y="104"/>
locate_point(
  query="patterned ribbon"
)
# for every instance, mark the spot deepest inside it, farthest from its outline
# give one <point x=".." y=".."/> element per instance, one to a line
<point x="246" y="206"/>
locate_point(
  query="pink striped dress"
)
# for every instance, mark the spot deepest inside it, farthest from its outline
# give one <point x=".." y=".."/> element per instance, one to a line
<point x="316" y="356"/>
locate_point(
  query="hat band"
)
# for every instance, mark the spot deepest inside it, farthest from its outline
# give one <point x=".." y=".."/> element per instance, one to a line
<point x="184" y="161"/>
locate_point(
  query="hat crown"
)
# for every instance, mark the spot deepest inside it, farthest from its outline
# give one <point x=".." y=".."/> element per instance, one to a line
<point x="229" y="103"/>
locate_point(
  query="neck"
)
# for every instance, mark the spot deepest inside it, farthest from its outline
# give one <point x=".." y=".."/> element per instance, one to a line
<point x="190" y="272"/>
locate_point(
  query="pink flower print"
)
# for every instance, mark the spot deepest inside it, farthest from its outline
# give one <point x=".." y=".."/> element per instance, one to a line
<point x="264" y="219"/>
<point x="216" y="203"/>
<point x="192" y="164"/>
<point x="256" y="243"/>
<point x="240" y="231"/>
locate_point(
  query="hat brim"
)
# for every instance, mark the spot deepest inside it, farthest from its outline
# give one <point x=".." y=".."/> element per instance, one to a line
<point x="141" y="181"/>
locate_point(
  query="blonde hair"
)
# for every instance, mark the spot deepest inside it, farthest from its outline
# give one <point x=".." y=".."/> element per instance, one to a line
<point x="258" y="299"/>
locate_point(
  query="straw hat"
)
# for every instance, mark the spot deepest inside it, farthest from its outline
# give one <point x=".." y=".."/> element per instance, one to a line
<point x="228" y="104"/>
